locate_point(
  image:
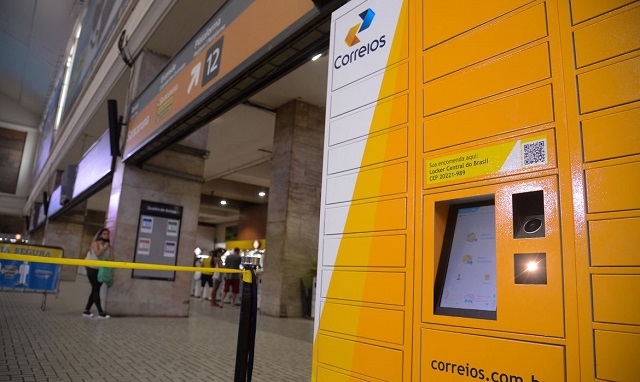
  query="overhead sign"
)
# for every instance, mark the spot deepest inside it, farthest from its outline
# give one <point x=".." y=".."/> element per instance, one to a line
<point x="237" y="36"/>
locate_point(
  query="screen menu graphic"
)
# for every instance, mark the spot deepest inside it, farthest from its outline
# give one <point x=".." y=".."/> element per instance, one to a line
<point x="470" y="281"/>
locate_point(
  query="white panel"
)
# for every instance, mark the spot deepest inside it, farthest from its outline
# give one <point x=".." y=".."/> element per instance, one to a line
<point x="335" y="219"/>
<point x="325" y="281"/>
<point x="340" y="189"/>
<point x="352" y="126"/>
<point x="345" y="157"/>
<point x="330" y="250"/>
<point x="357" y="95"/>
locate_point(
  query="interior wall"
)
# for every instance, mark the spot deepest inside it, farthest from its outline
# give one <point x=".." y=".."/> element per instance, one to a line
<point x="206" y="237"/>
<point x="252" y="224"/>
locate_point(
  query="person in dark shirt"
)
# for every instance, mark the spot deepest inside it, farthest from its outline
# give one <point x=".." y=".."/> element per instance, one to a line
<point x="231" y="280"/>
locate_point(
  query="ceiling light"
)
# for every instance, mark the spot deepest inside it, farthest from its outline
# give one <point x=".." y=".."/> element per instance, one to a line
<point x="317" y="56"/>
<point x="223" y="202"/>
<point x="262" y="194"/>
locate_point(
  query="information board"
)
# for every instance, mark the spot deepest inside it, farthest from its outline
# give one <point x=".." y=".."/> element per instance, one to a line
<point x="466" y="280"/>
<point x="157" y="239"/>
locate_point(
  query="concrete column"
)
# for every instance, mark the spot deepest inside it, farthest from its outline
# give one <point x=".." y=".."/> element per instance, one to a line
<point x="172" y="180"/>
<point x="66" y="233"/>
<point x="294" y="207"/>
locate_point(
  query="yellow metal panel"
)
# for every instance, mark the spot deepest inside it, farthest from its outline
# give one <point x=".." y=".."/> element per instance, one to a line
<point x="517" y="111"/>
<point x="374" y="361"/>
<point x="609" y="305"/>
<point x="582" y="10"/>
<point x="378" y="216"/>
<point x="386" y="180"/>
<point x="442" y="20"/>
<point x="376" y="324"/>
<point x="612" y="85"/>
<point x="493" y="39"/>
<point x="611" y="136"/>
<point x="447" y="356"/>
<point x="608" y="38"/>
<point x="326" y="375"/>
<point x="617" y="356"/>
<point x="506" y="73"/>
<point x="381" y="287"/>
<point x="362" y="251"/>
<point x="383" y="181"/>
<point x="614" y="242"/>
<point x="613" y="188"/>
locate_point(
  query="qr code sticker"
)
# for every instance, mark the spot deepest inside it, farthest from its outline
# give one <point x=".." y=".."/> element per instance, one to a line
<point x="534" y="153"/>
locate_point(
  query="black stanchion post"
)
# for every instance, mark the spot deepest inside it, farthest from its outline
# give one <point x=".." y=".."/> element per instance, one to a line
<point x="246" y="330"/>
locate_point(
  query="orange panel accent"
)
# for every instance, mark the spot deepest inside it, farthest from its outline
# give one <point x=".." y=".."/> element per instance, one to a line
<point x="582" y="10"/>
<point x="373" y="323"/>
<point x="615" y="299"/>
<point x="617" y="356"/>
<point x="490" y="40"/>
<point x="489" y="79"/>
<point x="614" y="242"/>
<point x="613" y="188"/>
<point x="612" y="85"/>
<point x="374" y="361"/>
<point x="611" y="136"/>
<point x="443" y="20"/>
<point x="608" y="38"/>
<point x="510" y="113"/>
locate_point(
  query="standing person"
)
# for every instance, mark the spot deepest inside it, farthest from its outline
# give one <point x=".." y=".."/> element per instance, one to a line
<point x="100" y="250"/>
<point x="217" y="276"/>
<point x="231" y="280"/>
<point x="195" y="284"/>
<point x="207" y="276"/>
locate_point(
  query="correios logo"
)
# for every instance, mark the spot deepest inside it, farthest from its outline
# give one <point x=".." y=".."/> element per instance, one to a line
<point x="353" y="39"/>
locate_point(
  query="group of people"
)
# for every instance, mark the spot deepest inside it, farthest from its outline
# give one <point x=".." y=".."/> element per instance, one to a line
<point x="101" y="250"/>
<point x="214" y="279"/>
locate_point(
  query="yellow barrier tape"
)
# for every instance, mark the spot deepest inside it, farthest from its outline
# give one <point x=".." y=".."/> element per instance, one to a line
<point x="246" y="274"/>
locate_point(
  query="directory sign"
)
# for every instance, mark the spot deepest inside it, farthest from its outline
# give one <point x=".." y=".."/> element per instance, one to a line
<point x="466" y="280"/>
<point x="157" y="242"/>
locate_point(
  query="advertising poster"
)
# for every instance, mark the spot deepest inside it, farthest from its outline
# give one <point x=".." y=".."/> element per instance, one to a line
<point x="27" y="275"/>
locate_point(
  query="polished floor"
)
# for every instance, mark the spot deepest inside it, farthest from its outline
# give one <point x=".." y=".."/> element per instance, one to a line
<point x="58" y="344"/>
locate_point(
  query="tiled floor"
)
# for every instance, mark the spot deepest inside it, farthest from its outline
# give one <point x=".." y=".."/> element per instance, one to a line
<point x="60" y="345"/>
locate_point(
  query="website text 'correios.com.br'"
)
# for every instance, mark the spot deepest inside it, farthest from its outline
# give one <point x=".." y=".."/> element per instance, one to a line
<point x="476" y="373"/>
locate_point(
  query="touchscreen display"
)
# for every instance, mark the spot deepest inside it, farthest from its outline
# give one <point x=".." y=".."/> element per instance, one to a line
<point x="467" y="275"/>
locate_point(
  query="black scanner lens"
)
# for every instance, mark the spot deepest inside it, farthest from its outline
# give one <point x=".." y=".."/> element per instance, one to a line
<point x="532" y="225"/>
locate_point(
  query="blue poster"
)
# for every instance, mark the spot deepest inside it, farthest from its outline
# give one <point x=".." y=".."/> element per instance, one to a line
<point x="28" y="275"/>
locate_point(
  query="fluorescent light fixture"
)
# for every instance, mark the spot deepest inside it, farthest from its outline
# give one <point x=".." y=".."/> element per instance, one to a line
<point x="223" y="202"/>
<point x="317" y="56"/>
<point x="262" y="194"/>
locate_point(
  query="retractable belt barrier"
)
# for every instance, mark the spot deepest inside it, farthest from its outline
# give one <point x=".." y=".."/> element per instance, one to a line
<point x="248" y="309"/>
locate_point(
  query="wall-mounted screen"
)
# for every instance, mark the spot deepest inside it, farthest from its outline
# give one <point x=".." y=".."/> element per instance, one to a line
<point x="96" y="164"/>
<point x="466" y="278"/>
<point x="54" y="202"/>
